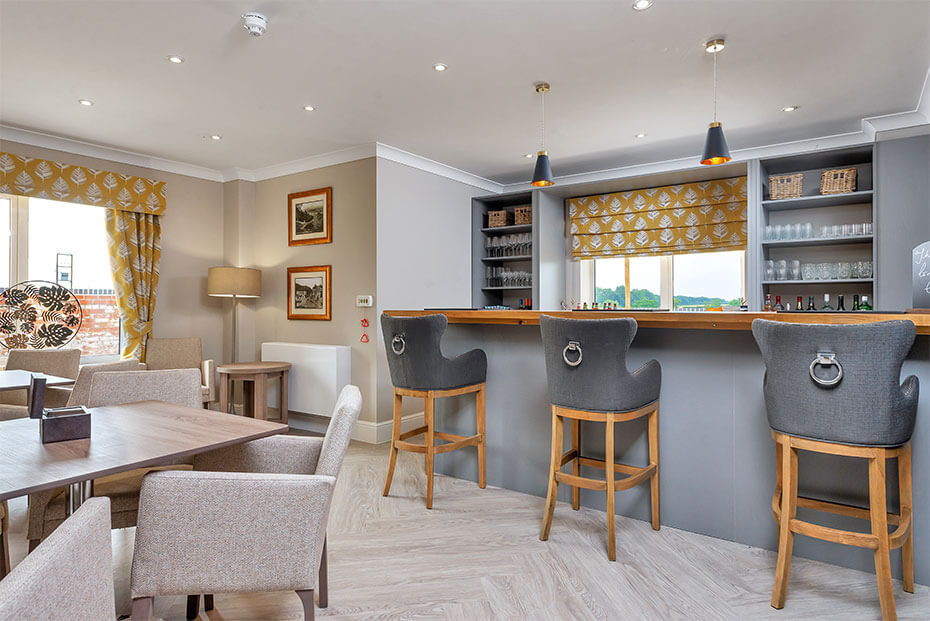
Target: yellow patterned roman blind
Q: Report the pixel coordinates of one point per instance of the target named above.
(28, 176)
(707, 216)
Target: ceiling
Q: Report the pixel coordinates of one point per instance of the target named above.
(367, 67)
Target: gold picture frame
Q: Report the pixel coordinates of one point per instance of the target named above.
(310, 217)
(309, 292)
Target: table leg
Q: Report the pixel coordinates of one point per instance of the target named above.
(76, 494)
(283, 400)
(224, 393)
(248, 389)
(261, 397)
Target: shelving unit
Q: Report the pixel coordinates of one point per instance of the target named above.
(819, 209)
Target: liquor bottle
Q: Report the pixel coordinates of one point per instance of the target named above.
(768, 303)
(800, 304)
(864, 305)
(856, 302)
(810, 303)
(778, 305)
(826, 303)
(840, 306)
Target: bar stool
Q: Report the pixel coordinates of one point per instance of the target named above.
(588, 380)
(418, 369)
(834, 389)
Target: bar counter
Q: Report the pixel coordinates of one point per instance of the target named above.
(717, 457)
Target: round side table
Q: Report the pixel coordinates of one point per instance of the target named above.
(254, 377)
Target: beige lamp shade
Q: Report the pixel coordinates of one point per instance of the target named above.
(242, 282)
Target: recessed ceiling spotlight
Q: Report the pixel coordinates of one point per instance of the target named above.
(714, 45)
(639, 135)
(309, 108)
(528, 156)
(215, 137)
(85, 102)
(641, 5)
(440, 67)
(177, 60)
(790, 108)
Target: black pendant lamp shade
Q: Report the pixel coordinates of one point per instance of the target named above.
(542, 176)
(715, 146)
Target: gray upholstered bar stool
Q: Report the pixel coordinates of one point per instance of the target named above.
(418, 369)
(835, 389)
(588, 380)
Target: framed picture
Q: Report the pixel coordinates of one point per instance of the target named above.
(309, 292)
(310, 217)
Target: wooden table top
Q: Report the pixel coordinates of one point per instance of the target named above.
(708, 320)
(259, 366)
(17, 380)
(123, 437)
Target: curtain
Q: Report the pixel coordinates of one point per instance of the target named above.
(708, 216)
(135, 249)
(29, 176)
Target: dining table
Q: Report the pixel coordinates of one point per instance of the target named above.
(123, 437)
(18, 379)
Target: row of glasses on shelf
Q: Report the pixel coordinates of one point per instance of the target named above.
(513, 245)
(502, 277)
(799, 231)
(792, 269)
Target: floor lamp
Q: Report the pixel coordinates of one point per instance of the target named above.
(235, 283)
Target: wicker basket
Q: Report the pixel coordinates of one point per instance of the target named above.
(523, 215)
(500, 218)
(785, 186)
(838, 181)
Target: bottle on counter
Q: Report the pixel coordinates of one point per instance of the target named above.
(778, 304)
(840, 306)
(768, 303)
(856, 302)
(800, 304)
(864, 304)
(810, 303)
(826, 302)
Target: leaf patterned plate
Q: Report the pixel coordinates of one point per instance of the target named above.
(37, 314)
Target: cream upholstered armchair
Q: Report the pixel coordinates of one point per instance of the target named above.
(206, 531)
(59, 362)
(183, 353)
(181, 386)
(70, 576)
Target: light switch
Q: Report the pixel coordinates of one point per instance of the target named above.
(363, 300)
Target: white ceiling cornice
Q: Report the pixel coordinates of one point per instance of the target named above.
(437, 168)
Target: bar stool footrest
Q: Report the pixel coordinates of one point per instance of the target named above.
(862, 540)
(636, 475)
(453, 441)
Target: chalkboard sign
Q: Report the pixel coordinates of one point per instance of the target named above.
(922, 275)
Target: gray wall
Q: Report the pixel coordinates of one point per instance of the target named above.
(902, 186)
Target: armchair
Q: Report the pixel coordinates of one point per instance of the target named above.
(182, 353)
(60, 362)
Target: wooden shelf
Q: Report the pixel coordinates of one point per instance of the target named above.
(513, 228)
(818, 281)
(524, 257)
(820, 200)
(817, 241)
(505, 288)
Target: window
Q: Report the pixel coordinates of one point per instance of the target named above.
(693, 281)
(64, 243)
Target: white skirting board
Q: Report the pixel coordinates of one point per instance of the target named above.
(317, 376)
(364, 431)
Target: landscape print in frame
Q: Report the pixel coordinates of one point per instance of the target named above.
(309, 292)
(310, 217)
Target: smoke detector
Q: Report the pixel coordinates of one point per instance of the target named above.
(255, 23)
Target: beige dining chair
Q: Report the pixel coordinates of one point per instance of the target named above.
(182, 353)
(58, 362)
(181, 386)
(69, 576)
(207, 531)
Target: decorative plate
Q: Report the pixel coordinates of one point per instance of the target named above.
(37, 314)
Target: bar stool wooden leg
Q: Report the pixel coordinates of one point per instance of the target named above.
(395, 436)
(653, 433)
(480, 400)
(906, 494)
(609, 468)
(576, 463)
(878, 510)
(554, 466)
(789, 504)
(428, 415)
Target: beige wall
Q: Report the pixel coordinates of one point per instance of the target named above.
(351, 255)
(192, 241)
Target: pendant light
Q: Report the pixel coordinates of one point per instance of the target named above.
(542, 175)
(715, 145)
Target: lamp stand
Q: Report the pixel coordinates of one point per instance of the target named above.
(235, 323)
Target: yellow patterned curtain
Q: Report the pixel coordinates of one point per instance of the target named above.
(135, 249)
(708, 216)
(29, 176)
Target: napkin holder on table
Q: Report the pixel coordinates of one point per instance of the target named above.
(62, 424)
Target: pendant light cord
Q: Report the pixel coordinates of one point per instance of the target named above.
(715, 86)
(542, 124)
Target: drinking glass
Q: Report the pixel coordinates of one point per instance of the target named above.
(823, 271)
(867, 228)
(769, 232)
(794, 270)
(769, 270)
(781, 269)
(865, 269)
(809, 271)
(847, 230)
(796, 231)
(825, 231)
(844, 270)
(808, 230)
(837, 230)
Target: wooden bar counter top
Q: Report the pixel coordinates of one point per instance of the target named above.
(708, 320)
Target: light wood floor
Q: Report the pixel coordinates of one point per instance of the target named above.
(477, 555)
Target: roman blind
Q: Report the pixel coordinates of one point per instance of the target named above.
(707, 216)
(28, 176)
